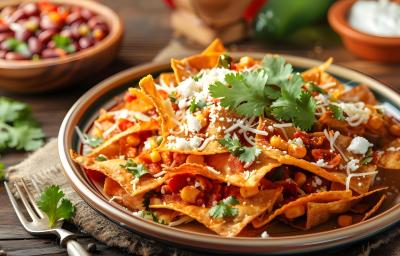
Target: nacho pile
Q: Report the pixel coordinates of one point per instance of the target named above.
(236, 144)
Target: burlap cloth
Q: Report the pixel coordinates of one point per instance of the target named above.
(45, 168)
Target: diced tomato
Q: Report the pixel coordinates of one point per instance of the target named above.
(216, 194)
(163, 94)
(46, 7)
(154, 168)
(170, 3)
(124, 124)
(303, 136)
(128, 97)
(177, 182)
(321, 154)
(235, 164)
(95, 175)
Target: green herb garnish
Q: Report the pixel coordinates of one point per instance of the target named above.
(368, 157)
(92, 141)
(312, 87)
(138, 170)
(337, 112)
(2, 174)
(54, 205)
(224, 208)
(18, 129)
(196, 105)
(101, 158)
(245, 154)
(65, 43)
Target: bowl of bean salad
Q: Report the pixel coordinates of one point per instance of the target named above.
(50, 44)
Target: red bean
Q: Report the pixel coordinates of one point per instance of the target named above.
(4, 36)
(23, 34)
(46, 23)
(5, 46)
(93, 22)
(35, 46)
(7, 11)
(4, 28)
(30, 9)
(46, 35)
(15, 56)
(86, 14)
(85, 42)
(51, 45)
(17, 15)
(3, 54)
(73, 17)
(66, 33)
(49, 53)
(75, 30)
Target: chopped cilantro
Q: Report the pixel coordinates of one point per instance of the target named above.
(2, 174)
(368, 157)
(18, 129)
(245, 154)
(101, 158)
(194, 106)
(92, 141)
(159, 140)
(64, 43)
(138, 170)
(224, 208)
(198, 76)
(172, 98)
(54, 205)
(148, 215)
(337, 112)
(224, 61)
(276, 69)
(312, 87)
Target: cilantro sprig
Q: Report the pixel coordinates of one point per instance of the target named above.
(233, 145)
(224, 209)
(18, 129)
(54, 205)
(274, 90)
(92, 141)
(337, 112)
(64, 43)
(196, 105)
(137, 170)
(368, 157)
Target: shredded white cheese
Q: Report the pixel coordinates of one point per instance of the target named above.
(211, 169)
(357, 113)
(323, 164)
(159, 174)
(182, 220)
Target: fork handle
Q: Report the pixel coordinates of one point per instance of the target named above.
(76, 249)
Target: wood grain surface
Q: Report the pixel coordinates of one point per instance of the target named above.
(147, 32)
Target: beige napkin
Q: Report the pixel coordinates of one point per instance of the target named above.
(44, 167)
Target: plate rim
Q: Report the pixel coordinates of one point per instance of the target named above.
(276, 245)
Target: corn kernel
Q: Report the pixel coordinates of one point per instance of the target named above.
(246, 62)
(202, 119)
(277, 142)
(375, 122)
(189, 194)
(153, 142)
(248, 191)
(195, 159)
(133, 140)
(344, 220)
(297, 151)
(300, 178)
(155, 156)
(295, 211)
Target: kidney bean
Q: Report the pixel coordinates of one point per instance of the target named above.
(35, 46)
(51, 45)
(4, 28)
(86, 14)
(66, 33)
(93, 22)
(17, 15)
(46, 23)
(46, 35)
(85, 42)
(49, 53)
(3, 54)
(73, 17)
(30, 9)
(75, 30)
(15, 56)
(7, 11)
(23, 34)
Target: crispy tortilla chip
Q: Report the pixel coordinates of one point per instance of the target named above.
(142, 103)
(374, 209)
(249, 209)
(327, 196)
(391, 159)
(116, 145)
(119, 195)
(224, 174)
(112, 168)
(216, 46)
(163, 107)
(168, 79)
(318, 213)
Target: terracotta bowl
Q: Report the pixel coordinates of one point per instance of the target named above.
(50, 74)
(283, 240)
(377, 48)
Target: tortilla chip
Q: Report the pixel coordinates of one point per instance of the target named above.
(142, 103)
(327, 196)
(224, 174)
(318, 213)
(168, 79)
(374, 209)
(112, 169)
(119, 195)
(216, 46)
(115, 146)
(249, 209)
(391, 159)
(163, 107)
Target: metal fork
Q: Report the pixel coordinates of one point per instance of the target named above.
(39, 224)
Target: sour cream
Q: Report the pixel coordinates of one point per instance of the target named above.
(380, 18)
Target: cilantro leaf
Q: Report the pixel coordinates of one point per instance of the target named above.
(224, 208)
(248, 94)
(337, 112)
(54, 205)
(194, 106)
(276, 69)
(92, 141)
(368, 157)
(137, 170)
(294, 104)
(64, 43)
(312, 87)
(101, 158)
(18, 129)
(233, 145)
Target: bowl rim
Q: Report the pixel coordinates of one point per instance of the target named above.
(337, 18)
(113, 20)
(276, 245)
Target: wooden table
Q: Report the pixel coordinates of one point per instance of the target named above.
(147, 32)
